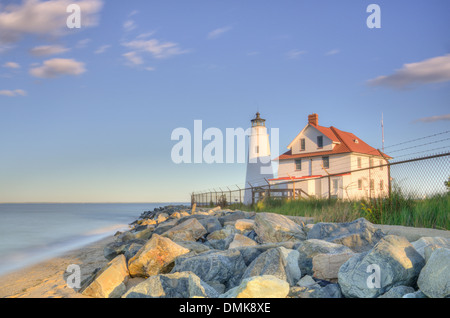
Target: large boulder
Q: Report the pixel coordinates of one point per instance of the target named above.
(435, 242)
(326, 266)
(434, 279)
(392, 262)
(360, 235)
(176, 285)
(250, 253)
(111, 250)
(234, 216)
(155, 256)
(189, 230)
(240, 240)
(312, 247)
(244, 225)
(110, 281)
(279, 262)
(398, 292)
(273, 228)
(211, 224)
(224, 267)
(316, 291)
(265, 286)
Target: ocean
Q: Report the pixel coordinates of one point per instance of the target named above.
(31, 233)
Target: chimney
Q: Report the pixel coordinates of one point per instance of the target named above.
(313, 119)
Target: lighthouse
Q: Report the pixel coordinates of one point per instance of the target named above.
(259, 164)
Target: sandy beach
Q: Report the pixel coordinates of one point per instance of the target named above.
(47, 279)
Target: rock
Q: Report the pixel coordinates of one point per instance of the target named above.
(244, 225)
(194, 247)
(326, 266)
(273, 228)
(161, 217)
(189, 230)
(211, 224)
(234, 216)
(220, 234)
(424, 242)
(250, 253)
(224, 267)
(155, 256)
(417, 294)
(398, 292)
(307, 281)
(240, 241)
(316, 291)
(111, 250)
(265, 286)
(360, 235)
(398, 262)
(434, 279)
(176, 285)
(279, 262)
(110, 281)
(309, 248)
(179, 215)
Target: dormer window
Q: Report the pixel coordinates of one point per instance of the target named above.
(356, 141)
(320, 141)
(302, 144)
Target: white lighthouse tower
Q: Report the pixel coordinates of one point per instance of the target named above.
(259, 164)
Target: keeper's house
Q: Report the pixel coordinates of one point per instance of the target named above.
(326, 162)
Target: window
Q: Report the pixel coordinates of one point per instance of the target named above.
(326, 162)
(381, 185)
(298, 164)
(302, 144)
(257, 149)
(359, 184)
(372, 184)
(381, 166)
(320, 141)
(370, 162)
(359, 162)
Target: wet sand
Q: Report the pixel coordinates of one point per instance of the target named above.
(47, 279)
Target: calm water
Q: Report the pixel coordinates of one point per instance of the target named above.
(30, 233)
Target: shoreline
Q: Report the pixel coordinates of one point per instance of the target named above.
(46, 279)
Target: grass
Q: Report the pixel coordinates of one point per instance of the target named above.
(432, 212)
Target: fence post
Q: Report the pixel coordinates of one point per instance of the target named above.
(388, 171)
(230, 195)
(268, 192)
(253, 194)
(329, 187)
(240, 195)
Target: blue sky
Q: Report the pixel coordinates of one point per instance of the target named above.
(86, 114)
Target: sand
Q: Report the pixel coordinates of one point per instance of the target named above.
(47, 279)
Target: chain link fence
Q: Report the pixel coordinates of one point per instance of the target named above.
(417, 178)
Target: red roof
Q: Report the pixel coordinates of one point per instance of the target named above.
(346, 143)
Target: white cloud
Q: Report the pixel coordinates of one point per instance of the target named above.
(433, 70)
(433, 119)
(333, 52)
(58, 67)
(39, 17)
(149, 68)
(11, 65)
(129, 25)
(159, 50)
(44, 50)
(133, 58)
(293, 54)
(102, 49)
(13, 93)
(218, 32)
